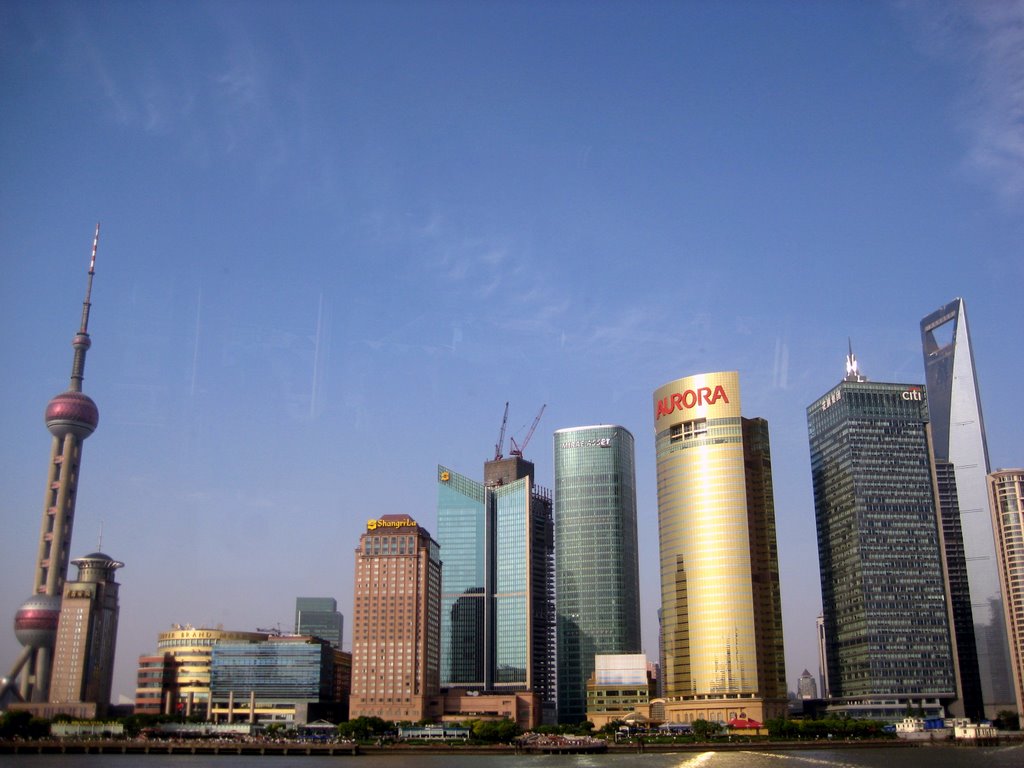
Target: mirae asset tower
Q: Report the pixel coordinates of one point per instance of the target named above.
(720, 600)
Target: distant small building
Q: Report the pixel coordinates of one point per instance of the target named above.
(524, 708)
(436, 732)
(90, 729)
(807, 686)
(319, 617)
(621, 688)
(975, 732)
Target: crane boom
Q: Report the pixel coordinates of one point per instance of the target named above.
(517, 450)
(501, 434)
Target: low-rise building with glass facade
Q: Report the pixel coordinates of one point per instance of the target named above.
(288, 680)
(181, 669)
(887, 614)
(619, 688)
(597, 592)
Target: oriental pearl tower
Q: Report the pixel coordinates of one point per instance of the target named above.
(71, 417)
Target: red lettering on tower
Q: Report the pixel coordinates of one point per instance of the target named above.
(691, 398)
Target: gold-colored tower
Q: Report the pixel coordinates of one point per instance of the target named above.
(722, 650)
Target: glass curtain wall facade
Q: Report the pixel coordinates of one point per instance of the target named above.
(282, 671)
(462, 535)
(497, 619)
(971, 697)
(597, 570)
(511, 593)
(319, 617)
(958, 433)
(886, 615)
(185, 653)
(721, 609)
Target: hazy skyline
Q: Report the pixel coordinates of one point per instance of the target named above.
(337, 237)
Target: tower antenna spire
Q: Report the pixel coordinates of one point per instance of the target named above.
(87, 304)
(81, 342)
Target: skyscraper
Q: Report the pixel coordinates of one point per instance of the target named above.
(396, 627)
(597, 593)
(83, 666)
(888, 641)
(497, 604)
(971, 697)
(71, 417)
(319, 617)
(720, 602)
(1006, 496)
(958, 434)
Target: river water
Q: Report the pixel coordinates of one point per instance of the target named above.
(922, 757)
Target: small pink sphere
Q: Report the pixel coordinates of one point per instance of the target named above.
(35, 623)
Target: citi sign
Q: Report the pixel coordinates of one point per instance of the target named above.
(691, 398)
(911, 394)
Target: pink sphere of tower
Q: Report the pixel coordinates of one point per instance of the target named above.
(72, 412)
(35, 623)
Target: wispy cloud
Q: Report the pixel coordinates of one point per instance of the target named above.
(986, 39)
(999, 123)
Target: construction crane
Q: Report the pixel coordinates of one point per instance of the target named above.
(501, 434)
(517, 450)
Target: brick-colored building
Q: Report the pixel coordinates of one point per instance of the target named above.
(397, 623)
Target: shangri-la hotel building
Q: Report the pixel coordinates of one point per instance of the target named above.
(396, 626)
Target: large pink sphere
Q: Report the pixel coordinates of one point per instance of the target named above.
(35, 623)
(72, 412)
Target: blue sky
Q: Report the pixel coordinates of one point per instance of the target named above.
(337, 237)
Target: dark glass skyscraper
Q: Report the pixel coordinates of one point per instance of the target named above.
(497, 585)
(319, 617)
(597, 595)
(958, 433)
(883, 581)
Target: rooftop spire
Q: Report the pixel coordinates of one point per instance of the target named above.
(81, 342)
(852, 372)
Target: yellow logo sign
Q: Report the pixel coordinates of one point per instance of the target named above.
(445, 476)
(372, 525)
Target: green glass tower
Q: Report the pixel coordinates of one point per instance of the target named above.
(883, 575)
(597, 584)
(497, 596)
